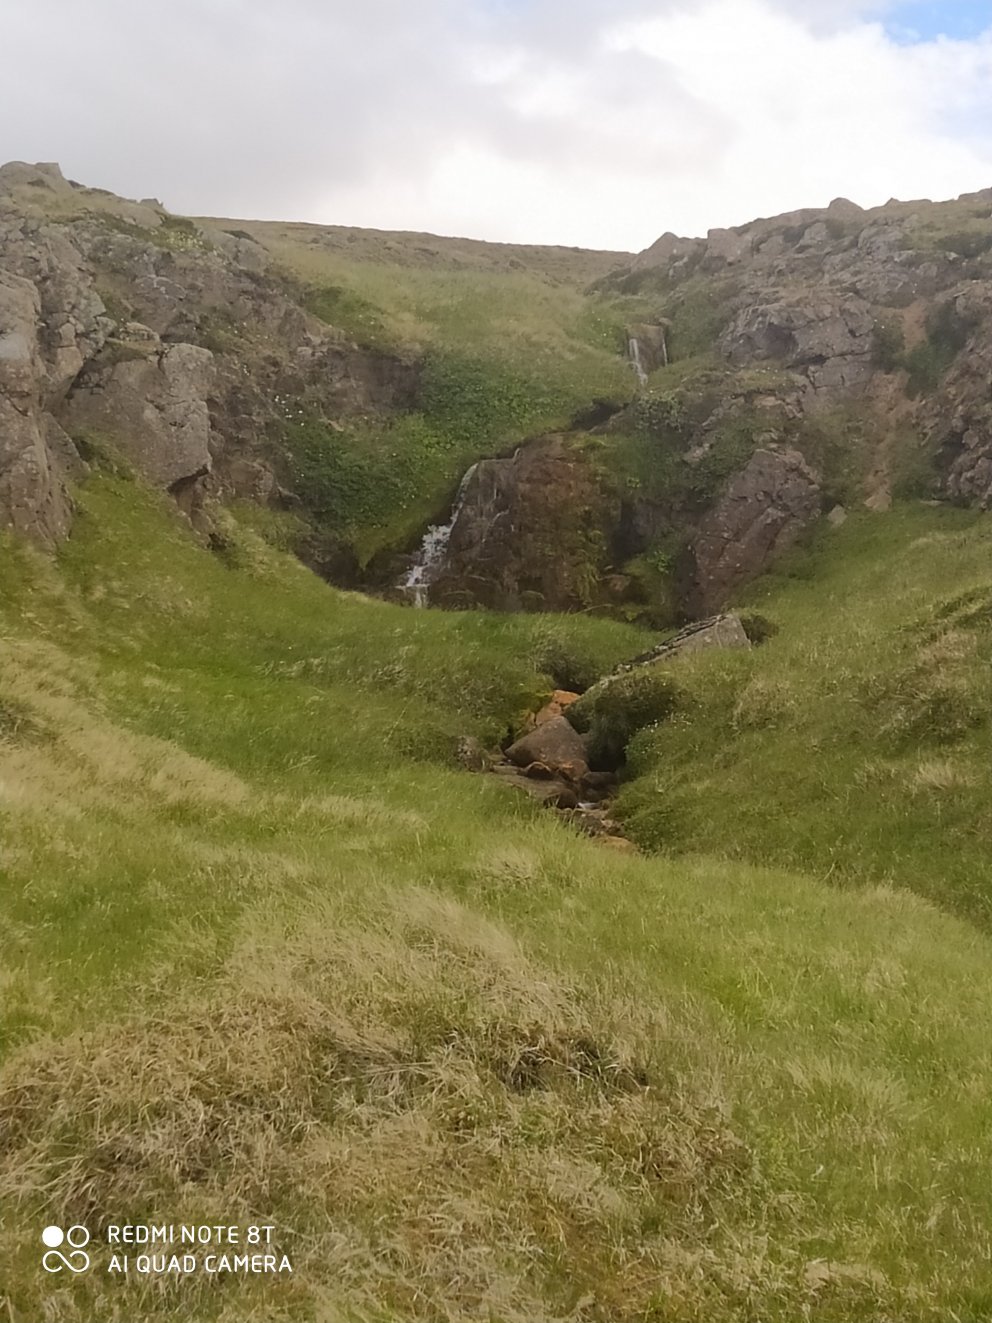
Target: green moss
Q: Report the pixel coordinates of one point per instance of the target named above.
(948, 331)
(612, 713)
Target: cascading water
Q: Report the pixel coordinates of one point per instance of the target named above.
(634, 352)
(429, 560)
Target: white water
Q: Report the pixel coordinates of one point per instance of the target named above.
(634, 350)
(429, 560)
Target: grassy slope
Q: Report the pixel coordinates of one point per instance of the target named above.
(855, 745)
(266, 959)
(512, 345)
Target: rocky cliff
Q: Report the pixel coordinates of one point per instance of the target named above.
(179, 347)
(820, 359)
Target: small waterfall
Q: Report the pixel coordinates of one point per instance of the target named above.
(429, 560)
(634, 353)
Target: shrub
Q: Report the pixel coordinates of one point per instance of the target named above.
(888, 345)
(758, 628)
(565, 661)
(948, 330)
(615, 711)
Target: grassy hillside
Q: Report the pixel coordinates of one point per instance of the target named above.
(506, 340)
(269, 957)
(855, 744)
(512, 346)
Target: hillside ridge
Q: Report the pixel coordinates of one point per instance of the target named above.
(332, 387)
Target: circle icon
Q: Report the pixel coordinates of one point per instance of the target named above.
(52, 1237)
(77, 1237)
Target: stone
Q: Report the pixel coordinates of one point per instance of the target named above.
(33, 495)
(844, 209)
(828, 338)
(760, 515)
(620, 844)
(559, 703)
(664, 251)
(652, 342)
(510, 513)
(837, 517)
(470, 754)
(555, 793)
(727, 246)
(155, 409)
(555, 744)
(723, 631)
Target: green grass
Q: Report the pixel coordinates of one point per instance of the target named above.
(511, 348)
(852, 746)
(269, 957)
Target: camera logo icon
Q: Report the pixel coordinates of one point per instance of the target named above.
(75, 1259)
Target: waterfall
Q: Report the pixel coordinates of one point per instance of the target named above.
(429, 560)
(634, 350)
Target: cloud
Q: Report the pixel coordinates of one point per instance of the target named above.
(574, 121)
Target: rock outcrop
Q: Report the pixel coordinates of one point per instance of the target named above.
(761, 514)
(33, 496)
(155, 407)
(177, 346)
(187, 349)
(826, 339)
(529, 532)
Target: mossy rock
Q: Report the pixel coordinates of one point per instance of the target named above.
(613, 712)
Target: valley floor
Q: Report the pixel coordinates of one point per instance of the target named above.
(269, 958)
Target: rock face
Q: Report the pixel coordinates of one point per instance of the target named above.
(828, 340)
(156, 408)
(652, 343)
(528, 533)
(33, 497)
(144, 377)
(761, 514)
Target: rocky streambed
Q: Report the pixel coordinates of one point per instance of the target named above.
(562, 766)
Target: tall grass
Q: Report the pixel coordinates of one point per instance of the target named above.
(852, 744)
(269, 957)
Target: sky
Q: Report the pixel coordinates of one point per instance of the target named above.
(600, 123)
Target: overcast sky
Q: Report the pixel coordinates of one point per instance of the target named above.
(593, 122)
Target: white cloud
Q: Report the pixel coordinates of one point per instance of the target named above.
(572, 121)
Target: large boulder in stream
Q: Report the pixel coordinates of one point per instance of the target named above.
(555, 745)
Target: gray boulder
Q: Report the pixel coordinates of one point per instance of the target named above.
(828, 339)
(759, 516)
(33, 496)
(154, 408)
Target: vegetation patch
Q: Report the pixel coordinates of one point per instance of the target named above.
(470, 1064)
(614, 711)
